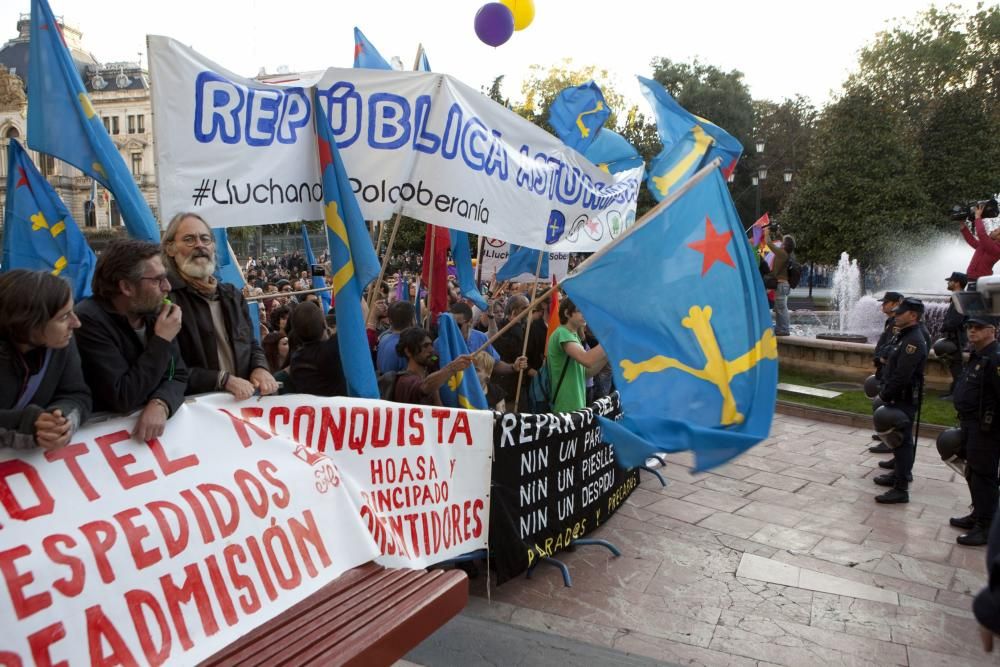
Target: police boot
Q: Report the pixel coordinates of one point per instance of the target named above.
(885, 480)
(888, 464)
(880, 448)
(893, 496)
(966, 522)
(976, 537)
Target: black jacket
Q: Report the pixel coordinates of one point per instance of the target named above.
(316, 369)
(904, 371)
(123, 373)
(986, 604)
(976, 395)
(197, 336)
(882, 346)
(62, 387)
(953, 327)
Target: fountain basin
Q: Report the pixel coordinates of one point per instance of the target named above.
(845, 360)
(843, 337)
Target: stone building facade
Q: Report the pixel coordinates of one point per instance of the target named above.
(120, 94)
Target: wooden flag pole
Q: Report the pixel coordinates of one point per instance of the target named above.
(385, 262)
(527, 330)
(430, 277)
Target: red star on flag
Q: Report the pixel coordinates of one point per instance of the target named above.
(23, 179)
(325, 155)
(713, 247)
(358, 49)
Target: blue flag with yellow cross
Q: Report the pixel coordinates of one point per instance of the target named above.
(462, 390)
(353, 261)
(578, 114)
(689, 142)
(693, 352)
(62, 123)
(39, 234)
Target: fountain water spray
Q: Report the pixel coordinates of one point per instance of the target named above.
(846, 288)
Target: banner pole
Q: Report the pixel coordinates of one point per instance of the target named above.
(385, 261)
(430, 277)
(527, 330)
(650, 214)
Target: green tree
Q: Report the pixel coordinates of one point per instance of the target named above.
(860, 191)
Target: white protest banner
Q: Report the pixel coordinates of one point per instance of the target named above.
(114, 551)
(422, 473)
(243, 152)
(495, 253)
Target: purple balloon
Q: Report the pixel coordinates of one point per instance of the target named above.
(494, 23)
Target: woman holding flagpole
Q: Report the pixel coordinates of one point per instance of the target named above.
(43, 396)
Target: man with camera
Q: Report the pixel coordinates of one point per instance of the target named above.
(782, 252)
(986, 246)
(901, 393)
(977, 398)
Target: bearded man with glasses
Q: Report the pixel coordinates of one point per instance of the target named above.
(217, 338)
(128, 337)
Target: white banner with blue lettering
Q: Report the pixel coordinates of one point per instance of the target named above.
(241, 152)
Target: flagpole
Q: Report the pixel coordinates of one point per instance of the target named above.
(430, 277)
(527, 330)
(650, 214)
(385, 261)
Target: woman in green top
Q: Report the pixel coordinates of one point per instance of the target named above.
(566, 347)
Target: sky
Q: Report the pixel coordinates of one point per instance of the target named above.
(783, 47)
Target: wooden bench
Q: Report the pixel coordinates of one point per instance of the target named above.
(370, 615)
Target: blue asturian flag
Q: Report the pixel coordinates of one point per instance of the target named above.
(352, 260)
(227, 270)
(423, 65)
(62, 122)
(463, 265)
(462, 389)
(523, 260)
(689, 142)
(39, 234)
(578, 114)
(317, 281)
(612, 152)
(693, 352)
(367, 56)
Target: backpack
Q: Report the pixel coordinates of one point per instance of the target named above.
(387, 384)
(540, 395)
(794, 273)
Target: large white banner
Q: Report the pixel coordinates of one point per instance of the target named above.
(242, 152)
(167, 551)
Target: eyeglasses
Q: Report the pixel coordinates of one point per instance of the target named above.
(191, 240)
(157, 279)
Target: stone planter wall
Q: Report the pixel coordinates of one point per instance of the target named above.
(844, 361)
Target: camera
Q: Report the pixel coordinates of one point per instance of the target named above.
(963, 212)
(318, 270)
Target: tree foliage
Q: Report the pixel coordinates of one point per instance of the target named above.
(861, 189)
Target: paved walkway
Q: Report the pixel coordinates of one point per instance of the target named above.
(781, 557)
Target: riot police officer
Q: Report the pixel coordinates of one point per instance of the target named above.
(977, 399)
(889, 302)
(901, 392)
(952, 328)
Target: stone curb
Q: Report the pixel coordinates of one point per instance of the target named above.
(846, 418)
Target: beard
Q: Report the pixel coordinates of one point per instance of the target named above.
(199, 265)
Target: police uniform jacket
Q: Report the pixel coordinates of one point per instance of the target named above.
(953, 327)
(904, 370)
(882, 345)
(977, 392)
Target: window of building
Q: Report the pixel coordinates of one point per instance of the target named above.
(131, 124)
(48, 164)
(137, 164)
(107, 124)
(114, 125)
(141, 122)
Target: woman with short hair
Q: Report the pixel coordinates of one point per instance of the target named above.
(43, 395)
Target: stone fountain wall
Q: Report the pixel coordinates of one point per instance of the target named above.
(844, 361)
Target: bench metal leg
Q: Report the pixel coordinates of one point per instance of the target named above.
(598, 542)
(567, 580)
(658, 475)
(663, 461)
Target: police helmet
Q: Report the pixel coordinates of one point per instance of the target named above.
(890, 424)
(877, 403)
(949, 444)
(871, 386)
(944, 347)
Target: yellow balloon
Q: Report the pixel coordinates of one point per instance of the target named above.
(523, 11)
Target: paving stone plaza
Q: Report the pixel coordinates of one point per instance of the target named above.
(781, 557)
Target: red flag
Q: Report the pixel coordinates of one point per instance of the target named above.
(758, 234)
(437, 300)
(553, 313)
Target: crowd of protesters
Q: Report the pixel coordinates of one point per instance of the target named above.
(160, 326)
